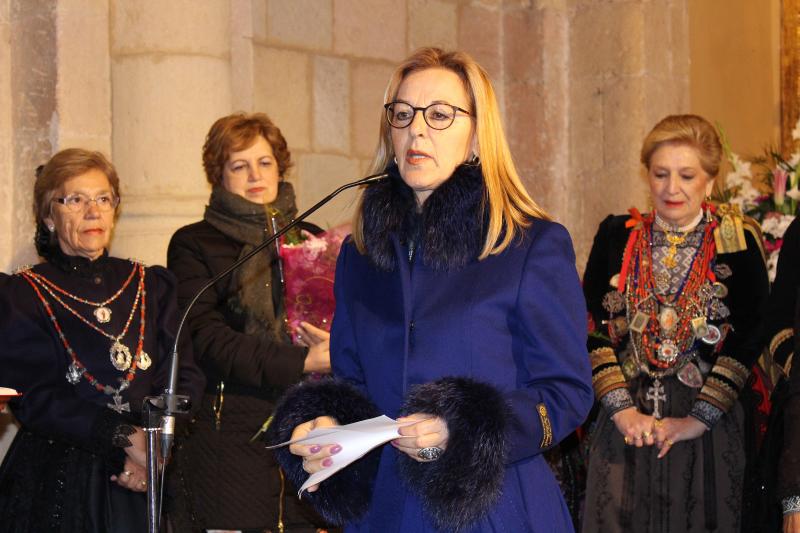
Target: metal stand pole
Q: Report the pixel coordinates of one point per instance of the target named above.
(153, 479)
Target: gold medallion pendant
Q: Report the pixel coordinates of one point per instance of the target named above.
(120, 356)
(667, 352)
(102, 314)
(144, 361)
(667, 319)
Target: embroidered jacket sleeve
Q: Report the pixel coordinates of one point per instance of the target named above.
(253, 360)
(608, 381)
(34, 363)
(555, 393)
(747, 288)
(777, 326)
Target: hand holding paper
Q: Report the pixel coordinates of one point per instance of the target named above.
(355, 440)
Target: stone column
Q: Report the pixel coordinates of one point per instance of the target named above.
(27, 117)
(584, 81)
(170, 80)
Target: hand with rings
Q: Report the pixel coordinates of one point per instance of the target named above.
(133, 477)
(669, 431)
(424, 440)
(636, 428)
(315, 457)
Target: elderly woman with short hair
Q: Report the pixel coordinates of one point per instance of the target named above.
(86, 337)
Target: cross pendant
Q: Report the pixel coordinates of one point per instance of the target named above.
(118, 406)
(656, 393)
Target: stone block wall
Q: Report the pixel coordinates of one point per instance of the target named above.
(579, 83)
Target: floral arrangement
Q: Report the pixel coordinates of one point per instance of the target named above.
(309, 265)
(769, 193)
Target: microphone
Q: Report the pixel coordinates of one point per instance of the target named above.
(171, 400)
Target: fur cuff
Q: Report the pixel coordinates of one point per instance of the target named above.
(345, 496)
(460, 487)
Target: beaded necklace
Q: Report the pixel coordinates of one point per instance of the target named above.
(77, 368)
(664, 327)
(101, 313)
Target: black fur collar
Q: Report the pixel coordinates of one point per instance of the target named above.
(449, 231)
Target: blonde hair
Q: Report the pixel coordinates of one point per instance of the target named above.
(510, 207)
(689, 130)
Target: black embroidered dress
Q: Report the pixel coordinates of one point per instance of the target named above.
(55, 476)
(680, 344)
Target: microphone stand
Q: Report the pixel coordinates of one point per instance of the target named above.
(160, 411)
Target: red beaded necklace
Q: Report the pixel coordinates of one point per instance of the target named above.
(642, 297)
(101, 312)
(77, 368)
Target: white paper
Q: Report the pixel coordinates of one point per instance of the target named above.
(356, 440)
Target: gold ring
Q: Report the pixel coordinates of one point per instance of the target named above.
(143, 483)
(668, 442)
(627, 441)
(645, 434)
(658, 423)
(127, 473)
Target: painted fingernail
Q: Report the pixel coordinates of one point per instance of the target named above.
(315, 448)
(335, 449)
(327, 462)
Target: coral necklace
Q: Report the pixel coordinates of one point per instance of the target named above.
(101, 313)
(119, 356)
(642, 296)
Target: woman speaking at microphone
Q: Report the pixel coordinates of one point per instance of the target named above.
(459, 310)
(227, 481)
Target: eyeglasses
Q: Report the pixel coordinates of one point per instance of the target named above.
(437, 116)
(77, 202)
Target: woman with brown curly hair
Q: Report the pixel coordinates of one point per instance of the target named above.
(227, 481)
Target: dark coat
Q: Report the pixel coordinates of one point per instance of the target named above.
(495, 347)
(785, 297)
(55, 476)
(777, 334)
(229, 481)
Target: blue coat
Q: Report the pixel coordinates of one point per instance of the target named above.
(496, 347)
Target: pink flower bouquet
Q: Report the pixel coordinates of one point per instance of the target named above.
(309, 268)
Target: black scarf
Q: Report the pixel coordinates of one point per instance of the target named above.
(250, 224)
(449, 231)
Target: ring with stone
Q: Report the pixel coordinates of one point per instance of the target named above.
(431, 453)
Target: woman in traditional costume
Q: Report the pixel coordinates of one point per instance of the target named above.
(85, 338)
(676, 296)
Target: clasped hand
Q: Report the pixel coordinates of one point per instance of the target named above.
(134, 473)
(424, 431)
(641, 430)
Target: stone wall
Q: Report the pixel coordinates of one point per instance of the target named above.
(579, 81)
